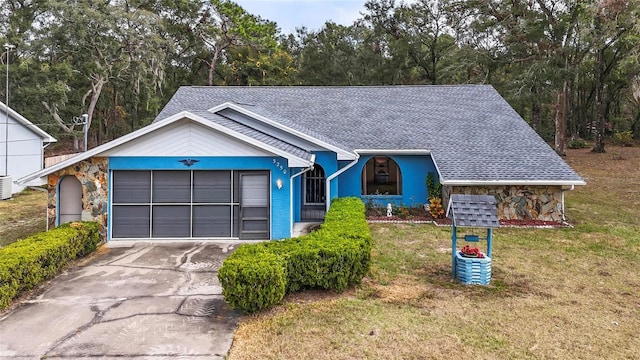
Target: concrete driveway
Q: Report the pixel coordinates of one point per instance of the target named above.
(136, 301)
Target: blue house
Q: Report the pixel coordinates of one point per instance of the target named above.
(249, 162)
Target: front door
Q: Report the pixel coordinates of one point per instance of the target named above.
(314, 192)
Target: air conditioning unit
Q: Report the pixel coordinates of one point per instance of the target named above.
(5, 187)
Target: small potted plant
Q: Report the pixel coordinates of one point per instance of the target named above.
(471, 252)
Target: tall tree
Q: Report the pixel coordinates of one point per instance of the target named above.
(538, 38)
(104, 42)
(246, 66)
(613, 38)
(423, 27)
(49, 89)
(224, 24)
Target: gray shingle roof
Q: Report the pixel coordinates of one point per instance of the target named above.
(473, 133)
(473, 211)
(255, 134)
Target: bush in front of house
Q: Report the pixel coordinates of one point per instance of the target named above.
(26, 263)
(252, 283)
(332, 258)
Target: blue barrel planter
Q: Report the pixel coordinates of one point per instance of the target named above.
(471, 270)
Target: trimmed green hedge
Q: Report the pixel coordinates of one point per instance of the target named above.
(257, 276)
(258, 281)
(27, 262)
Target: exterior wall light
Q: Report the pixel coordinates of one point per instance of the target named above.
(279, 183)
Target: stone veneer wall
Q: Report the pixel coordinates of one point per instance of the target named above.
(518, 201)
(92, 174)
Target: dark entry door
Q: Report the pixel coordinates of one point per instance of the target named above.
(314, 192)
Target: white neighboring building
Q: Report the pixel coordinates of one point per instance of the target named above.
(22, 151)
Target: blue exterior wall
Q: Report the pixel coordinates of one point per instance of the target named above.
(414, 170)
(329, 162)
(277, 166)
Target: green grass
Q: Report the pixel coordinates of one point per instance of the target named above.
(22, 216)
(554, 294)
(568, 293)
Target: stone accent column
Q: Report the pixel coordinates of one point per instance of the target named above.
(93, 175)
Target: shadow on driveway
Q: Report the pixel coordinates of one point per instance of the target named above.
(139, 300)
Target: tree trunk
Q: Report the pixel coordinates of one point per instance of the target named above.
(635, 127)
(212, 65)
(560, 121)
(53, 111)
(572, 116)
(536, 121)
(599, 144)
(96, 90)
(434, 60)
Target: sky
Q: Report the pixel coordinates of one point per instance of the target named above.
(290, 14)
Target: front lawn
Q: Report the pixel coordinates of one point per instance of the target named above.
(22, 215)
(555, 293)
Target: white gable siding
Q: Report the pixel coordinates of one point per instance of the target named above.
(185, 138)
(25, 155)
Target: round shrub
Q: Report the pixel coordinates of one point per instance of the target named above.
(253, 283)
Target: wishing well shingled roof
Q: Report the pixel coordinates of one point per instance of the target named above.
(473, 211)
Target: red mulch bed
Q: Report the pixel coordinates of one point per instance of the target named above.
(419, 215)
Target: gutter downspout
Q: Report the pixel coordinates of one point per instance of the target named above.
(334, 175)
(291, 194)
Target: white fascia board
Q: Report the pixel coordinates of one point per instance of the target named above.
(28, 124)
(294, 161)
(392, 151)
(342, 154)
(512, 182)
(435, 163)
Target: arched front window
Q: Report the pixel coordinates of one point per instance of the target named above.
(381, 176)
(69, 200)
